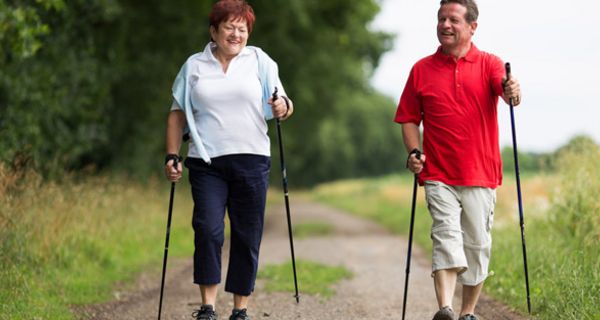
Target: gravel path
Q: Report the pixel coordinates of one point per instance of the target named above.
(375, 257)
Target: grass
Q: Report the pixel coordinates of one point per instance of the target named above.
(68, 244)
(311, 229)
(316, 279)
(562, 231)
(562, 244)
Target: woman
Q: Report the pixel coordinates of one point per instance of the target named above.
(222, 98)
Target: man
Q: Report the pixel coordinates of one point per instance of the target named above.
(454, 93)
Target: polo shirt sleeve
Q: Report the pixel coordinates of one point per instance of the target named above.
(180, 88)
(496, 73)
(409, 107)
(175, 106)
(181, 91)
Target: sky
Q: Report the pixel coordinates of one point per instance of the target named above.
(553, 47)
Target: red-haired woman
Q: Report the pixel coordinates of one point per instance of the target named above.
(222, 99)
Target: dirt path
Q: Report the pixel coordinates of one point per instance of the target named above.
(375, 257)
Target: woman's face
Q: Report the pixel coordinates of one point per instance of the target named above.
(231, 37)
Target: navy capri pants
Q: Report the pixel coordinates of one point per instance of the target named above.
(236, 184)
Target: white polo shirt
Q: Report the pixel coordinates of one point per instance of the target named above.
(227, 106)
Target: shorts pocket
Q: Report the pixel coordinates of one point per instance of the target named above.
(490, 217)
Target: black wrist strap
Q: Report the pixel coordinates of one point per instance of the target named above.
(172, 156)
(414, 151)
(287, 104)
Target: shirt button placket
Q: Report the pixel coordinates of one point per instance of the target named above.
(457, 80)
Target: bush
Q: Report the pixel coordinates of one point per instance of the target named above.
(576, 205)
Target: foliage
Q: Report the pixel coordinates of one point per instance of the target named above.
(529, 162)
(535, 162)
(576, 206)
(316, 278)
(341, 127)
(86, 84)
(55, 84)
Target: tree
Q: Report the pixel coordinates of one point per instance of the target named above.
(86, 84)
(326, 54)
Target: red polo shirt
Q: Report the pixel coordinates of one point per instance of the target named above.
(456, 100)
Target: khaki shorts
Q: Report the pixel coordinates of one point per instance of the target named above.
(461, 230)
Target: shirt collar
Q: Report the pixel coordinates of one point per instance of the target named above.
(207, 54)
(471, 56)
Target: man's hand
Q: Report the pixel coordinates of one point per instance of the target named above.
(512, 89)
(416, 165)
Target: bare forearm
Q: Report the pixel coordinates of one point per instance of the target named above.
(175, 125)
(411, 136)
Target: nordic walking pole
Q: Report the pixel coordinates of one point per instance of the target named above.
(410, 234)
(164, 268)
(287, 200)
(521, 220)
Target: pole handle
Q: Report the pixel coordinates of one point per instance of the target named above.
(507, 68)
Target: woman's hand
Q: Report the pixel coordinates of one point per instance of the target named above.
(281, 109)
(173, 173)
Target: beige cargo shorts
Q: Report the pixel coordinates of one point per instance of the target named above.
(461, 229)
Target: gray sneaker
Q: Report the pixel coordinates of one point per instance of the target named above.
(206, 312)
(468, 317)
(444, 313)
(239, 314)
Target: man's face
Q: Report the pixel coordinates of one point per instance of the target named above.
(453, 30)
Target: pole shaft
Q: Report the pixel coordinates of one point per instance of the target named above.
(519, 195)
(287, 203)
(166, 253)
(410, 238)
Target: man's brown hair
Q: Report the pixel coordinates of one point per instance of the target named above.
(472, 11)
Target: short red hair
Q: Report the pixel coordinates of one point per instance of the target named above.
(224, 10)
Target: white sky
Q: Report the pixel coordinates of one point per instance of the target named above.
(553, 47)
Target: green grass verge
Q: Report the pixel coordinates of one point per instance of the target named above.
(564, 277)
(311, 229)
(313, 278)
(69, 244)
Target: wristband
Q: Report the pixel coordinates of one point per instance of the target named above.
(172, 156)
(287, 104)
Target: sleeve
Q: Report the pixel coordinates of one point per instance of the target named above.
(179, 91)
(271, 80)
(180, 87)
(175, 106)
(409, 107)
(269, 77)
(496, 74)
